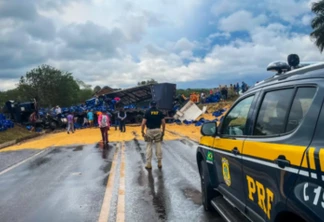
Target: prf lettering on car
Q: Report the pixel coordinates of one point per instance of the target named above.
(264, 195)
(155, 113)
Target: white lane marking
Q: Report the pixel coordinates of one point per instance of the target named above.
(323, 177)
(22, 162)
(262, 162)
(105, 208)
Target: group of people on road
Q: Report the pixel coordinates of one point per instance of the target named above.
(103, 119)
(224, 91)
(152, 122)
(103, 123)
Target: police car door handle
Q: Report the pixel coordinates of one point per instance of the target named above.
(235, 151)
(282, 162)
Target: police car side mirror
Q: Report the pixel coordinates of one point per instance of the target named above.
(209, 129)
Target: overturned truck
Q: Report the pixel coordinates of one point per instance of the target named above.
(136, 100)
(19, 112)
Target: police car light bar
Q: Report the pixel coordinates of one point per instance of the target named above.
(278, 67)
(281, 67)
(292, 67)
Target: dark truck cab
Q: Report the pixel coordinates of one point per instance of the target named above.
(19, 112)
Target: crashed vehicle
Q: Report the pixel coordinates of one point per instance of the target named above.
(136, 100)
(19, 112)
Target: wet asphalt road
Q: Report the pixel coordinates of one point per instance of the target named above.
(70, 183)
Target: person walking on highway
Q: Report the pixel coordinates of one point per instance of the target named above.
(116, 120)
(153, 119)
(104, 123)
(121, 117)
(90, 118)
(70, 120)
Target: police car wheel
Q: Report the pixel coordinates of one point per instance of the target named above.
(207, 192)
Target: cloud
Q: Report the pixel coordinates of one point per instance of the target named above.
(20, 10)
(41, 29)
(288, 10)
(219, 35)
(306, 19)
(184, 44)
(236, 61)
(119, 43)
(241, 21)
(223, 7)
(89, 39)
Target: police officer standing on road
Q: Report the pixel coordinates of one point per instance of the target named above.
(153, 119)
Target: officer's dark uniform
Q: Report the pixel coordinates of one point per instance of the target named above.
(153, 118)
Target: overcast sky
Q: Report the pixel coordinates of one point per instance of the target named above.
(194, 43)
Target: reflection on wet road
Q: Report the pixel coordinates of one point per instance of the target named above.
(91, 183)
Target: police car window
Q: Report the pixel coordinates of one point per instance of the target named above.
(301, 104)
(272, 114)
(234, 123)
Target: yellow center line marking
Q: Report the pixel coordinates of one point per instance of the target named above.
(121, 191)
(105, 208)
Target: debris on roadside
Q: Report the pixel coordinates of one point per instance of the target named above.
(192, 114)
(190, 111)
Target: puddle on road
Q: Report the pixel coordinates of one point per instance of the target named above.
(193, 195)
(141, 177)
(106, 168)
(138, 148)
(55, 150)
(104, 153)
(186, 142)
(105, 180)
(78, 148)
(158, 196)
(154, 187)
(38, 162)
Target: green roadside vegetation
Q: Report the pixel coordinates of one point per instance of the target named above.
(15, 133)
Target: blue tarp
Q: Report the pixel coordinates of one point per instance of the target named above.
(214, 98)
(219, 112)
(5, 123)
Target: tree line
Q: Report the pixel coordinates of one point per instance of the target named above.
(51, 87)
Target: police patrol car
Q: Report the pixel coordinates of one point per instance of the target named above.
(265, 161)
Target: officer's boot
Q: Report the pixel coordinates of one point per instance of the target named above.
(160, 164)
(148, 166)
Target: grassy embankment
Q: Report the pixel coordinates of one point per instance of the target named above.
(15, 133)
